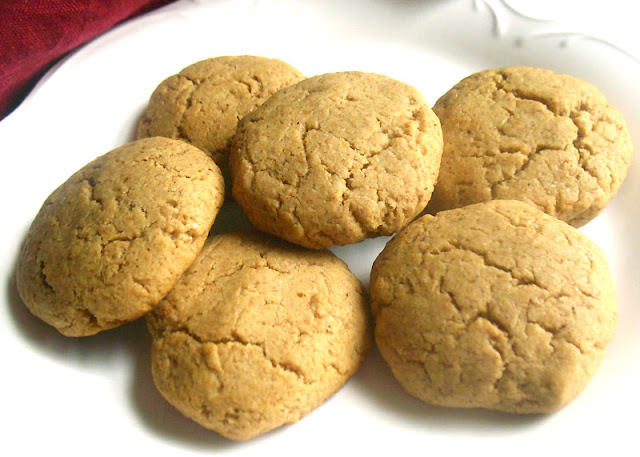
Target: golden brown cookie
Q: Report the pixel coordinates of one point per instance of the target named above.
(203, 103)
(257, 333)
(110, 242)
(336, 158)
(533, 135)
(494, 305)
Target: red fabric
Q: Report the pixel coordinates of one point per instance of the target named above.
(36, 33)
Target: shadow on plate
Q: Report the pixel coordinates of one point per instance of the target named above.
(376, 382)
(625, 222)
(132, 130)
(231, 218)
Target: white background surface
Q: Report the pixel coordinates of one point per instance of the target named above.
(95, 396)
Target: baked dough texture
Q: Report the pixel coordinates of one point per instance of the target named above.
(531, 134)
(257, 333)
(495, 305)
(203, 103)
(110, 242)
(336, 158)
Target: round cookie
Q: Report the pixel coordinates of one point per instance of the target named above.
(336, 158)
(203, 103)
(533, 135)
(495, 305)
(257, 333)
(110, 242)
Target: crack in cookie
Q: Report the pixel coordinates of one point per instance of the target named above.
(203, 103)
(494, 305)
(336, 158)
(260, 331)
(530, 134)
(115, 237)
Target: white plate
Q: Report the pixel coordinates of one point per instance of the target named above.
(95, 395)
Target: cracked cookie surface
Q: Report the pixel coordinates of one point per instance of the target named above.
(203, 103)
(257, 333)
(110, 242)
(534, 135)
(495, 305)
(336, 158)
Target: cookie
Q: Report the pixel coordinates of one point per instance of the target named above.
(494, 305)
(110, 242)
(257, 333)
(336, 158)
(203, 103)
(534, 135)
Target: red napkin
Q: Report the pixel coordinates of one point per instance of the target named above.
(36, 33)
